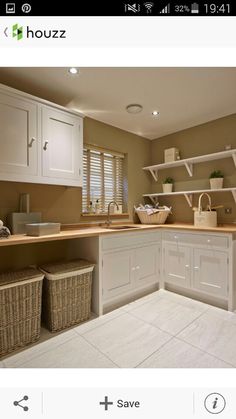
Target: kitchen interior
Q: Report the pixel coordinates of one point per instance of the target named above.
(118, 218)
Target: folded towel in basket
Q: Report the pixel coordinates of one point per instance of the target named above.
(4, 231)
(151, 211)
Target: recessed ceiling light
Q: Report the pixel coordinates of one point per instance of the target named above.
(73, 70)
(155, 113)
(134, 108)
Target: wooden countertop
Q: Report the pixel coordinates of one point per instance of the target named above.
(95, 231)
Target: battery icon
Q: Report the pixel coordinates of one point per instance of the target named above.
(195, 8)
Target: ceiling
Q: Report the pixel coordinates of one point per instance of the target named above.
(185, 97)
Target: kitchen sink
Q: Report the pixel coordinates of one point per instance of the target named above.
(121, 227)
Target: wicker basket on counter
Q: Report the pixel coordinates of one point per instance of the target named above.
(67, 293)
(156, 218)
(20, 309)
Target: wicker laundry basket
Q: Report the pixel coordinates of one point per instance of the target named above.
(67, 293)
(156, 218)
(20, 309)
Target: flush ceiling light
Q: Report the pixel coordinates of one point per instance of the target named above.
(155, 113)
(134, 108)
(73, 70)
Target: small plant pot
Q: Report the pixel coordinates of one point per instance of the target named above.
(216, 183)
(167, 187)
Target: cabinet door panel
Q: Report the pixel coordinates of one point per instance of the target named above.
(117, 273)
(210, 272)
(62, 147)
(177, 261)
(18, 122)
(147, 263)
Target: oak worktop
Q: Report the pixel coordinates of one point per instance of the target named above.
(79, 231)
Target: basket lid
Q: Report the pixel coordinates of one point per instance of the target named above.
(18, 276)
(63, 266)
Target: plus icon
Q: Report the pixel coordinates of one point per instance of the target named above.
(106, 403)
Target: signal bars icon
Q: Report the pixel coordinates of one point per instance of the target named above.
(166, 10)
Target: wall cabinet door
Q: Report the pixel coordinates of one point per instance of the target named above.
(18, 136)
(147, 265)
(210, 272)
(62, 145)
(177, 265)
(117, 273)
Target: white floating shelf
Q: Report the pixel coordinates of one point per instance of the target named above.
(189, 194)
(188, 163)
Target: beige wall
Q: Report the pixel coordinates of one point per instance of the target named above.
(203, 139)
(63, 204)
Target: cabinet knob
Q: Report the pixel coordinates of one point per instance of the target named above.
(186, 266)
(137, 267)
(208, 241)
(176, 237)
(45, 145)
(196, 267)
(31, 142)
(133, 269)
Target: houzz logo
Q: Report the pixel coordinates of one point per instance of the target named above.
(17, 32)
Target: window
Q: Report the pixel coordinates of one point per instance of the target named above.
(102, 177)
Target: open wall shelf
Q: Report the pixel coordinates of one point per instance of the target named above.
(188, 163)
(189, 194)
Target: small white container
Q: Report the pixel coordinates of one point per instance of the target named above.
(216, 183)
(171, 154)
(167, 187)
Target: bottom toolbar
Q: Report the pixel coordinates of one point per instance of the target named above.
(117, 403)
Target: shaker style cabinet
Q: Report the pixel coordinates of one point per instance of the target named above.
(125, 271)
(210, 272)
(177, 261)
(61, 144)
(197, 261)
(40, 142)
(18, 136)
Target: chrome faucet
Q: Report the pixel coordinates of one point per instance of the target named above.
(108, 221)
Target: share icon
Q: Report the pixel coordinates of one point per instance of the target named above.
(18, 403)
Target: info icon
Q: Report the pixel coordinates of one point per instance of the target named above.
(215, 403)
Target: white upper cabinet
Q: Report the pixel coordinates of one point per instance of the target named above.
(61, 145)
(18, 136)
(39, 142)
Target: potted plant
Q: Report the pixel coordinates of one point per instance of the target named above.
(216, 179)
(168, 185)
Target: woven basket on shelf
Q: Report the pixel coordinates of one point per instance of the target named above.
(67, 292)
(20, 309)
(157, 218)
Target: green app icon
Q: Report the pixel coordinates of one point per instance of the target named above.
(17, 32)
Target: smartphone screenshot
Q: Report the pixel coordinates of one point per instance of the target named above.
(118, 210)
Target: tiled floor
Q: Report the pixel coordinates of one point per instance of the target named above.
(161, 330)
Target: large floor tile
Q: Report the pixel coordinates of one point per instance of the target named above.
(17, 360)
(143, 300)
(127, 340)
(98, 321)
(75, 353)
(185, 301)
(178, 354)
(166, 314)
(213, 335)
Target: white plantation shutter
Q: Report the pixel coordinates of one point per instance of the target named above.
(103, 177)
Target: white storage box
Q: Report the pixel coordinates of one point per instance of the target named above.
(205, 218)
(171, 154)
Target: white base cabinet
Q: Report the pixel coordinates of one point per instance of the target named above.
(198, 262)
(40, 142)
(210, 272)
(134, 268)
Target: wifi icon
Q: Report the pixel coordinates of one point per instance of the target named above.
(149, 6)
